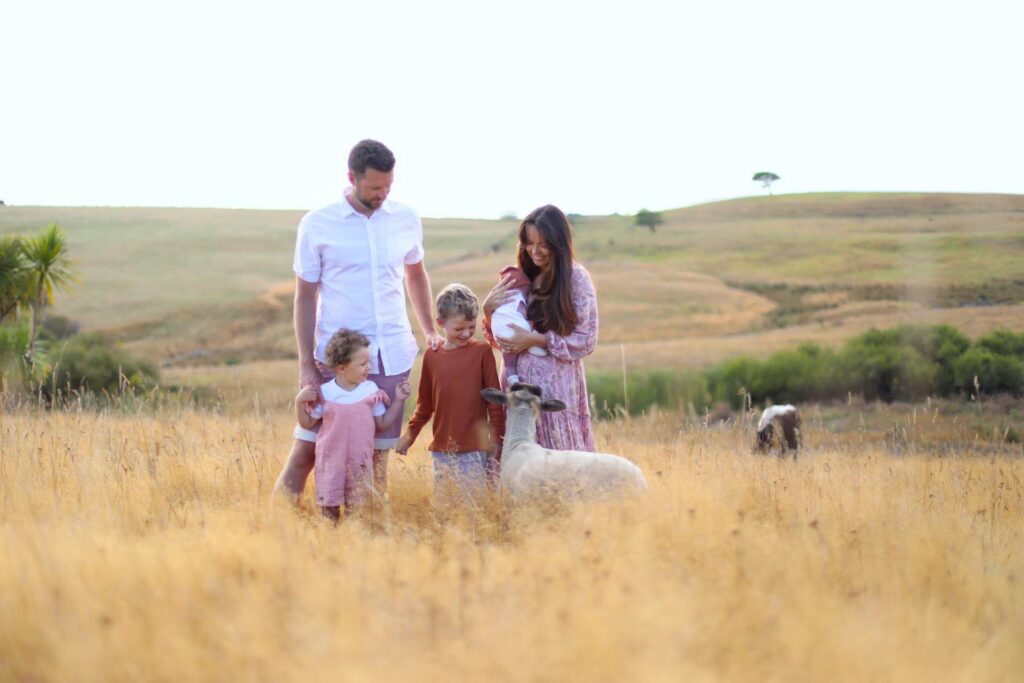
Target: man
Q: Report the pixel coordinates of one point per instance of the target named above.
(352, 259)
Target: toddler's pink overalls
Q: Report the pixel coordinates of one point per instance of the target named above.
(344, 452)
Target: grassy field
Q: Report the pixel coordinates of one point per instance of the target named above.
(142, 547)
(139, 543)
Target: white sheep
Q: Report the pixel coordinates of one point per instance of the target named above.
(788, 419)
(529, 469)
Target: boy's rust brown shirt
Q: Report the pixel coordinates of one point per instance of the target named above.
(449, 390)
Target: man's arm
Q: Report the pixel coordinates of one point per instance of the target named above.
(417, 283)
(305, 331)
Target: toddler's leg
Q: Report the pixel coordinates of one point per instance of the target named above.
(510, 361)
(331, 512)
(380, 472)
(358, 484)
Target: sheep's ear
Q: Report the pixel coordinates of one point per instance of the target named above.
(552, 405)
(494, 396)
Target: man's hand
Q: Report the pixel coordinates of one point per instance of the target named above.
(310, 376)
(308, 394)
(402, 447)
(434, 341)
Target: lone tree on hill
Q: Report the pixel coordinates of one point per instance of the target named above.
(766, 178)
(651, 219)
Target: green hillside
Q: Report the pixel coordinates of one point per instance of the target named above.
(204, 286)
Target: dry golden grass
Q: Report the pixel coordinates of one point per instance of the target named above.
(143, 548)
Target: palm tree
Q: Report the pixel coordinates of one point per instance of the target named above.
(49, 270)
(13, 277)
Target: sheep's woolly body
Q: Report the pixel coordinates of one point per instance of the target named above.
(785, 418)
(527, 468)
(770, 414)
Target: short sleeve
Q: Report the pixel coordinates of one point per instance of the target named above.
(307, 260)
(415, 253)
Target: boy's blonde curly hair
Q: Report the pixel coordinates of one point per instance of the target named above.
(343, 345)
(457, 299)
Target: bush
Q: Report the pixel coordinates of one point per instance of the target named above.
(727, 378)
(1003, 343)
(995, 373)
(15, 370)
(879, 366)
(56, 327)
(809, 372)
(92, 362)
(670, 389)
(941, 345)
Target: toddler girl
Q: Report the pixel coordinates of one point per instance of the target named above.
(513, 313)
(351, 412)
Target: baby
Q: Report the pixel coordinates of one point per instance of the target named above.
(514, 313)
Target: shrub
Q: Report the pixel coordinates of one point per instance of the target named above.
(1003, 343)
(92, 362)
(995, 373)
(670, 389)
(808, 372)
(941, 345)
(727, 378)
(56, 327)
(879, 366)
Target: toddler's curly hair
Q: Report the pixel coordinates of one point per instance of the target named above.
(457, 299)
(343, 345)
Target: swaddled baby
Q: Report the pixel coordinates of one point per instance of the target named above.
(514, 313)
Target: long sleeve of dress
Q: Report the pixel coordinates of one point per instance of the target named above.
(582, 341)
(424, 400)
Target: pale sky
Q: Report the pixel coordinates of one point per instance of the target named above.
(500, 107)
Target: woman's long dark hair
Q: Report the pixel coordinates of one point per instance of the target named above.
(551, 306)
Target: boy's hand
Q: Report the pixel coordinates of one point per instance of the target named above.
(403, 391)
(402, 447)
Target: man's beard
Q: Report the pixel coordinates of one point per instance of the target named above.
(368, 204)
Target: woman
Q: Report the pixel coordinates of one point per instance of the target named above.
(563, 310)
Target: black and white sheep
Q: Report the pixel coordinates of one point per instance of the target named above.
(787, 419)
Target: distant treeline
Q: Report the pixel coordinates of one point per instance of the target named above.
(907, 363)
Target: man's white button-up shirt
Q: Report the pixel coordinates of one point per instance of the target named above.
(359, 263)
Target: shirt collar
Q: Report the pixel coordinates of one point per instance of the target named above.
(348, 210)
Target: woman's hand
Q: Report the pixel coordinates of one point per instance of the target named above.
(521, 340)
(500, 294)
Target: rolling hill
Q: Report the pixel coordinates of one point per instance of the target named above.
(194, 289)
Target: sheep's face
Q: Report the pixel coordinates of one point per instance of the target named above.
(765, 438)
(521, 393)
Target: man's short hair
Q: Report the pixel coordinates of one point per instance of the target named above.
(456, 299)
(370, 154)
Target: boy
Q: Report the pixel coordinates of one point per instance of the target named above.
(467, 429)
